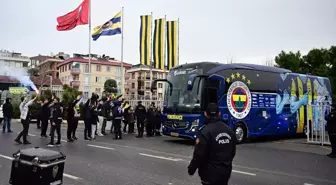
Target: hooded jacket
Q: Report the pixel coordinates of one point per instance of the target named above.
(7, 108)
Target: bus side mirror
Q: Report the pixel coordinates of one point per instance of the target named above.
(192, 79)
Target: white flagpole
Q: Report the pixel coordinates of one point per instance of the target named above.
(89, 81)
(122, 51)
(178, 42)
(151, 55)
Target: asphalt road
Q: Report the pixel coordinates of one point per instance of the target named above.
(163, 161)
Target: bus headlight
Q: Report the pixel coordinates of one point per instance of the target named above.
(195, 122)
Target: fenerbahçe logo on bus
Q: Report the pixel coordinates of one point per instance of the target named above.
(239, 98)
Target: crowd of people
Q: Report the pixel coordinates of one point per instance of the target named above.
(96, 113)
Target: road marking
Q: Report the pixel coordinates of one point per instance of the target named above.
(245, 173)
(103, 147)
(6, 157)
(64, 174)
(71, 176)
(161, 157)
(286, 174)
(307, 184)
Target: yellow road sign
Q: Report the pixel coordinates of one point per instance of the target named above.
(18, 90)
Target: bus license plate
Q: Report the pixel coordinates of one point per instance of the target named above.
(174, 134)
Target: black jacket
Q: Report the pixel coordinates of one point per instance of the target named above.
(87, 110)
(45, 110)
(57, 112)
(331, 122)
(7, 109)
(71, 111)
(214, 151)
(140, 112)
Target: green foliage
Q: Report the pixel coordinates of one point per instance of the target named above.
(16, 100)
(68, 96)
(110, 86)
(319, 62)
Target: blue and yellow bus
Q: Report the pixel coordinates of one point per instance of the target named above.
(254, 100)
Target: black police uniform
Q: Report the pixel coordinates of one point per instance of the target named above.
(214, 152)
(117, 117)
(140, 113)
(57, 112)
(331, 126)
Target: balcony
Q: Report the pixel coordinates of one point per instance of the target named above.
(75, 83)
(75, 71)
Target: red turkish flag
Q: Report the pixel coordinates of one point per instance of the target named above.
(80, 16)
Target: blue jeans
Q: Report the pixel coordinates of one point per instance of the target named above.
(7, 122)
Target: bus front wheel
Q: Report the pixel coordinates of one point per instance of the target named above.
(240, 133)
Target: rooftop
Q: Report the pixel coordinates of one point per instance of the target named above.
(95, 59)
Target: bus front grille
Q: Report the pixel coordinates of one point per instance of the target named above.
(176, 124)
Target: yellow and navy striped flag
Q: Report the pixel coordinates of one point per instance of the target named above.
(111, 27)
(145, 39)
(159, 44)
(171, 44)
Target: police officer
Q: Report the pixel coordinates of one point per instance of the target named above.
(151, 119)
(140, 113)
(117, 117)
(214, 150)
(331, 126)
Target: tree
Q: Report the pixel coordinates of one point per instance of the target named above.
(68, 96)
(291, 61)
(33, 71)
(110, 86)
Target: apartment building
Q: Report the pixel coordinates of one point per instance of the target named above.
(12, 60)
(75, 72)
(138, 83)
(47, 65)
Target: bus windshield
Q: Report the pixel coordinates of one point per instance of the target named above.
(182, 100)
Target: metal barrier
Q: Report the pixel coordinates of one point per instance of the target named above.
(146, 103)
(316, 127)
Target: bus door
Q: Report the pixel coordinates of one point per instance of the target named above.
(214, 90)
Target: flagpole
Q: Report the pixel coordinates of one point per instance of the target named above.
(122, 51)
(151, 55)
(178, 42)
(165, 47)
(89, 81)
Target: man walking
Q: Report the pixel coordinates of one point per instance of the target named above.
(7, 110)
(25, 119)
(214, 150)
(57, 112)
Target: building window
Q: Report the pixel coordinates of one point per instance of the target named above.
(69, 66)
(97, 78)
(107, 78)
(133, 85)
(160, 95)
(118, 71)
(108, 68)
(25, 65)
(98, 67)
(133, 75)
(98, 90)
(147, 84)
(17, 64)
(160, 85)
(86, 68)
(86, 80)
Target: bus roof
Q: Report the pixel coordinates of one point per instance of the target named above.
(250, 67)
(216, 66)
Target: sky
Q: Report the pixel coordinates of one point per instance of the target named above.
(212, 30)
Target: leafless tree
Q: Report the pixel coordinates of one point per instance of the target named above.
(230, 60)
(269, 62)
